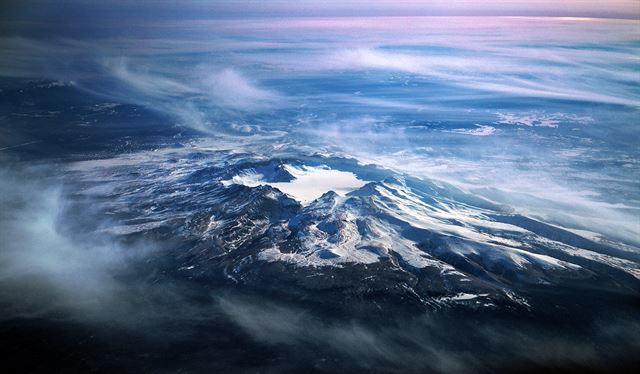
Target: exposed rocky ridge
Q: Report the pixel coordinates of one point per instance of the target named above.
(426, 243)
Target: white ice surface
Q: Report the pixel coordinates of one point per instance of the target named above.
(310, 183)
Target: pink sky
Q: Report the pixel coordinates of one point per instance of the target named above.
(594, 8)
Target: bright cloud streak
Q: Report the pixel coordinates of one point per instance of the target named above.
(229, 88)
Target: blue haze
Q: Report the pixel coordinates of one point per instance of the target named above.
(541, 113)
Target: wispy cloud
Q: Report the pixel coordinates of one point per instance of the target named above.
(497, 74)
(42, 269)
(146, 82)
(194, 97)
(55, 264)
(427, 344)
(229, 88)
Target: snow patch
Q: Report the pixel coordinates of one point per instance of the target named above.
(482, 130)
(541, 119)
(309, 184)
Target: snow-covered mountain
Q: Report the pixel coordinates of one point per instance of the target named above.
(331, 224)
